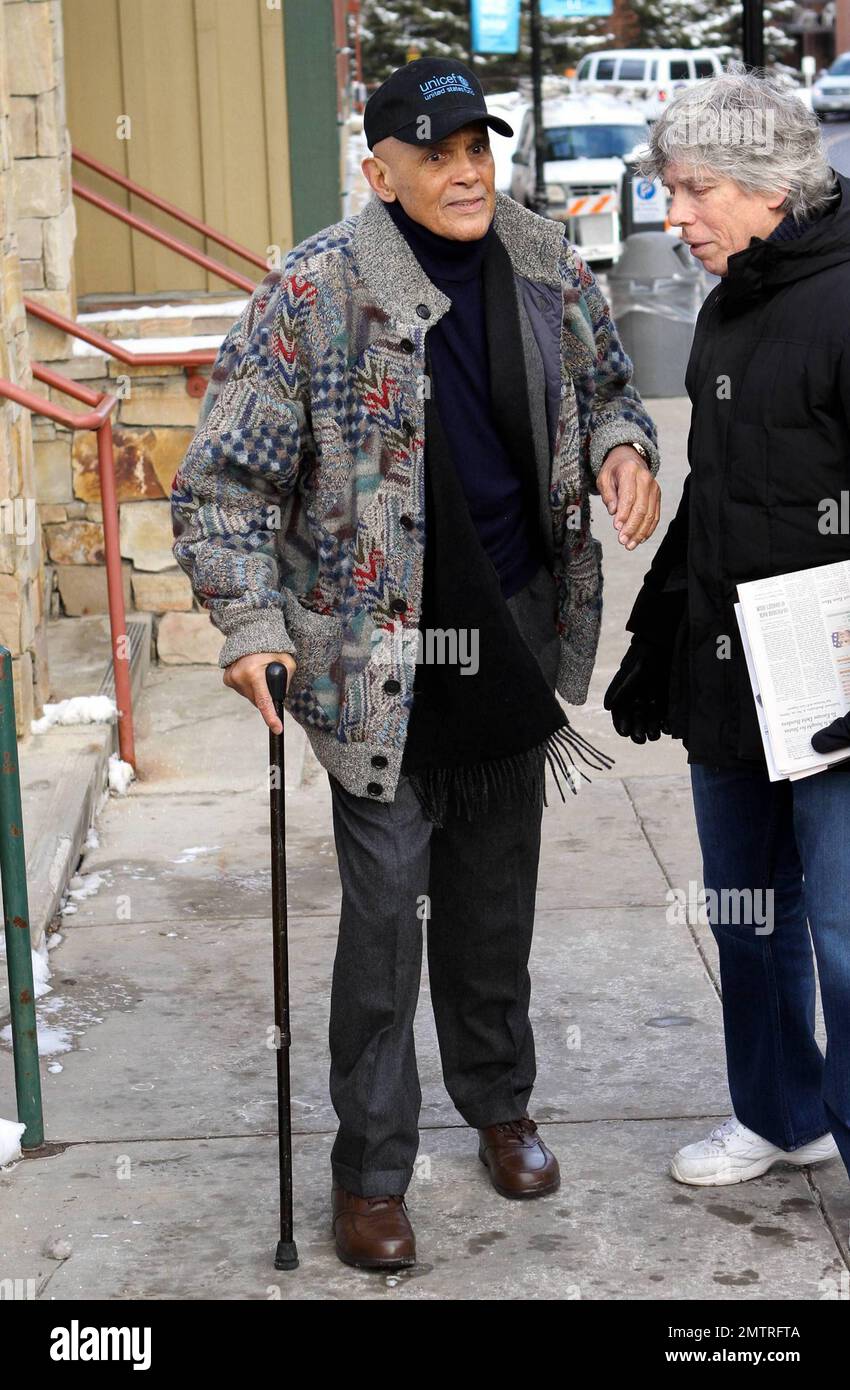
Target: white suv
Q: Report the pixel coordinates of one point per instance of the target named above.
(650, 77)
(586, 140)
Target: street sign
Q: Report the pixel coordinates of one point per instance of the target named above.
(575, 9)
(648, 200)
(495, 26)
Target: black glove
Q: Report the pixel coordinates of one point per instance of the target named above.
(638, 695)
(835, 736)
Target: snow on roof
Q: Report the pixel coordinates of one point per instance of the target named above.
(651, 52)
(142, 345)
(206, 309)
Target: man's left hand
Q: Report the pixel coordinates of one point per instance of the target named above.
(631, 495)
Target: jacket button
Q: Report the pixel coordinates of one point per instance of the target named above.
(423, 311)
(406, 345)
(379, 760)
(374, 788)
(407, 521)
(392, 687)
(399, 605)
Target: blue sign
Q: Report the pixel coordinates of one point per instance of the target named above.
(649, 203)
(495, 26)
(575, 9)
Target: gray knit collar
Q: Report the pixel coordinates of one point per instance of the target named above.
(399, 285)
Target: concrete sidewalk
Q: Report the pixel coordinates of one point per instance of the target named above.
(164, 1175)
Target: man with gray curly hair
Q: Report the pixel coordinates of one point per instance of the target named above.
(744, 139)
(769, 382)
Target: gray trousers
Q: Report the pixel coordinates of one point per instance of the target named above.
(473, 884)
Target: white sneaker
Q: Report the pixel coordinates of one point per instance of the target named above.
(733, 1153)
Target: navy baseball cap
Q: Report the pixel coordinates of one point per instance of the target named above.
(448, 94)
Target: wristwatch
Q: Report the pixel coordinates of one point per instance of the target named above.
(640, 449)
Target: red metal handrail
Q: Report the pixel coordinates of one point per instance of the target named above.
(197, 357)
(156, 234)
(196, 385)
(97, 419)
(178, 213)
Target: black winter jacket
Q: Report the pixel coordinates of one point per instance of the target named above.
(769, 383)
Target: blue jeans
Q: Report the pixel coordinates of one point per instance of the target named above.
(792, 838)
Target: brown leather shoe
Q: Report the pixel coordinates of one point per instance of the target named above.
(372, 1232)
(519, 1163)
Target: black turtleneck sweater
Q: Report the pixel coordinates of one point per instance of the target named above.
(460, 388)
(789, 228)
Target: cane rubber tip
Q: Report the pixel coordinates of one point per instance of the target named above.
(286, 1255)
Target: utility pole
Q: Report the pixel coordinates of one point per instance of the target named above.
(753, 36)
(541, 202)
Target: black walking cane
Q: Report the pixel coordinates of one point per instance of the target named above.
(286, 1255)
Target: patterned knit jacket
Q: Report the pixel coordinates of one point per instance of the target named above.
(298, 509)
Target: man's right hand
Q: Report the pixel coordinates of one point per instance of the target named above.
(248, 677)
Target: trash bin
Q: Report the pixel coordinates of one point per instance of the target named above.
(655, 293)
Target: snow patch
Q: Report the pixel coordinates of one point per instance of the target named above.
(80, 709)
(83, 885)
(121, 774)
(211, 341)
(10, 1141)
(230, 308)
(51, 1039)
(40, 973)
(40, 967)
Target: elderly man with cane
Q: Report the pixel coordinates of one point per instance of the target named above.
(389, 493)
(769, 383)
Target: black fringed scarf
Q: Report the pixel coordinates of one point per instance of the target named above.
(491, 732)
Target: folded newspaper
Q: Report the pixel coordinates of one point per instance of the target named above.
(795, 631)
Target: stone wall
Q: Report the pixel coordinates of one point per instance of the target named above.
(152, 427)
(153, 423)
(42, 154)
(27, 112)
